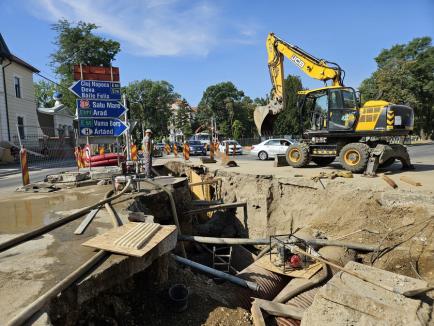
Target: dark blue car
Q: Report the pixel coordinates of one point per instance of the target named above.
(196, 148)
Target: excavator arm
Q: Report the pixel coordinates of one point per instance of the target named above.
(277, 49)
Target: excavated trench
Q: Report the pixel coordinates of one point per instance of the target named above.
(337, 209)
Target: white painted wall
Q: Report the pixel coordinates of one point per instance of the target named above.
(3, 119)
(24, 106)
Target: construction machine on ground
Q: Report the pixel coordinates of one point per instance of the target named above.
(339, 124)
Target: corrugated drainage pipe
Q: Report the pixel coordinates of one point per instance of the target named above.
(270, 284)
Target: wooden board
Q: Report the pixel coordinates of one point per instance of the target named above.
(306, 273)
(138, 235)
(106, 240)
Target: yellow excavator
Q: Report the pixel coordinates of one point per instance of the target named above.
(339, 125)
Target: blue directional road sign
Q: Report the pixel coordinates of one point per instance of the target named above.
(99, 109)
(96, 89)
(102, 127)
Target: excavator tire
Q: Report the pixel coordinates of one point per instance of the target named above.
(354, 157)
(323, 161)
(297, 155)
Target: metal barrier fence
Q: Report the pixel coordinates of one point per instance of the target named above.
(46, 147)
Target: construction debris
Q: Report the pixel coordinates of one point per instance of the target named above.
(332, 175)
(348, 300)
(410, 181)
(390, 182)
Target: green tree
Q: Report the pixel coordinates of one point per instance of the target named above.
(44, 91)
(237, 129)
(78, 44)
(227, 104)
(183, 118)
(219, 101)
(405, 76)
(288, 121)
(150, 103)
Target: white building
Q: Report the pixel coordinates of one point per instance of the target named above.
(17, 95)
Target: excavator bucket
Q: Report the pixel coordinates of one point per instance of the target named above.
(265, 115)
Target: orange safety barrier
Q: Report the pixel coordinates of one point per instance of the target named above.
(134, 152)
(79, 157)
(167, 149)
(24, 167)
(175, 150)
(186, 152)
(211, 151)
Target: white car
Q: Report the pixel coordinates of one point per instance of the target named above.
(231, 143)
(270, 148)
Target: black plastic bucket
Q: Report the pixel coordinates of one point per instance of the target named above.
(178, 293)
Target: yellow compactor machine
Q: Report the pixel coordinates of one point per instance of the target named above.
(339, 125)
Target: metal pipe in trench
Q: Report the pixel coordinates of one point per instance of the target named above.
(46, 228)
(228, 277)
(102, 255)
(172, 206)
(246, 241)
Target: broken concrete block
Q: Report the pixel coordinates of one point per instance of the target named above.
(347, 300)
(67, 177)
(140, 217)
(280, 160)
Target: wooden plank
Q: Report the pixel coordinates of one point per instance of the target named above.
(85, 223)
(258, 318)
(306, 273)
(138, 235)
(410, 181)
(390, 182)
(105, 241)
(280, 309)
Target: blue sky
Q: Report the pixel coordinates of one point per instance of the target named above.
(194, 44)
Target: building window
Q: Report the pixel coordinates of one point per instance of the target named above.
(20, 122)
(17, 87)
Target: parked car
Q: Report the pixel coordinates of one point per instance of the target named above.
(270, 148)
(231, 143)
(158, 149)
(196, 147)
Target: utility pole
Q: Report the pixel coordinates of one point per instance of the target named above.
(127, 134)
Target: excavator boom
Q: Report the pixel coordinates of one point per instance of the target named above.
(313, 67)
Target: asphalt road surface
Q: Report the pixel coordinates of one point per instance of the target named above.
(421, 153)
(424, 152)
(11, 182)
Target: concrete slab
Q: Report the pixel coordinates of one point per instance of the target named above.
(347, 300)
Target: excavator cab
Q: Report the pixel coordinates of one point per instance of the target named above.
(330, 109)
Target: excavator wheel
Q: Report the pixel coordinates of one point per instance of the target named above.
(354, 157)
(297, 155)
(323, 161)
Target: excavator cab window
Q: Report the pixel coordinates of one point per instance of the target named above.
(332, 109)
(342, 109)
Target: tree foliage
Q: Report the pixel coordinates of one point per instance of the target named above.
(183, 118)
(150, 103)
(44, 91)
(288, 121)
(405, 75)
(232, 110)
(78, 44)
